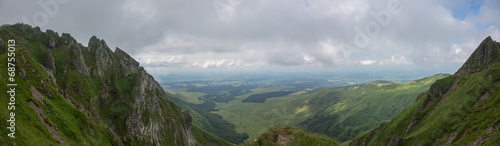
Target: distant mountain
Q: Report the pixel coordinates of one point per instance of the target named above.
(69, 94)
(462, 109)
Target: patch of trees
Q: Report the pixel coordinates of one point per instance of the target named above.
(260, 98)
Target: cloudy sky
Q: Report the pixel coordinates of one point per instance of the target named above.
(194, 35)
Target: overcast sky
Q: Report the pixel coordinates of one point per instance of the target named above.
(193, 35)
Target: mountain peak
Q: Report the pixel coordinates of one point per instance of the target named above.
(486, 54)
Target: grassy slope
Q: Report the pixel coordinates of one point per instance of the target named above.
(294, 109)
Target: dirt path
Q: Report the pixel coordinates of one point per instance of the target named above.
(452, 136)
(50, 128)
(284, 138)
(492, 130)
(36, 94)
(39, 112)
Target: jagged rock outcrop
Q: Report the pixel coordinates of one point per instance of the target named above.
(52, 43)
(67, 39)
(49, 61)
(187, 131)
(128, 64)
(104, 57)
(148, 120)
(37, 32)
(485, 55)
(75, 60)
(52, 36)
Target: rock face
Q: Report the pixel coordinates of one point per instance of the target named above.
(52, 35)
(148, 121)
(104, 57)
(485, 55)
(67, 39)
(49, 61)
(128, 64)
(75, 60)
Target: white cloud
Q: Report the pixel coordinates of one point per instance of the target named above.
(367, 62)
(395, 60)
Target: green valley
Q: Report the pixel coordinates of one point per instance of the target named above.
(341, 112)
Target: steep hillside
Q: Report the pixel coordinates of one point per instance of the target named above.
(288, 136)
(69, 94)
(462, 109)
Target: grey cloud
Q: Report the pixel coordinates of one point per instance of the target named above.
(264, 33)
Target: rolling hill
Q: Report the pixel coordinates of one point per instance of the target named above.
(462, 109)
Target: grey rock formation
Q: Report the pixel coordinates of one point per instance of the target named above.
(22, 74)
(49, 61)
(485, 55)
(52, 38)
(37, 32)
(150, 100)
(75, 60)
(127, 64)
(104, 57)
(187, 131)
(52, 43)
(67, 39)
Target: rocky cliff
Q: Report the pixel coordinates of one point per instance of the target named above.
(95, 96)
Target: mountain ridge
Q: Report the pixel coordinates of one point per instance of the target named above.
(89, 95)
